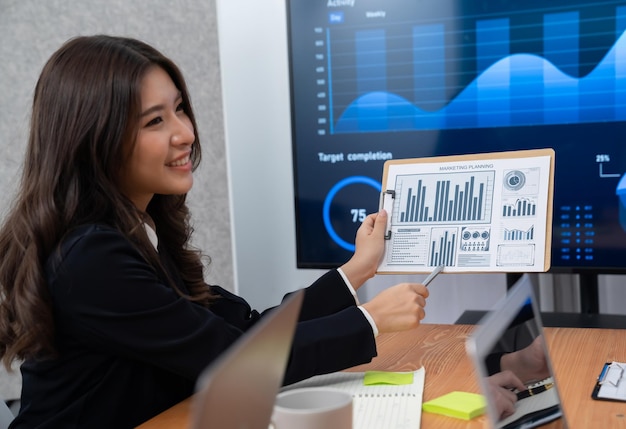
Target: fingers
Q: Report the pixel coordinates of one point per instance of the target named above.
(374, 225)
(508, 380)
(421, 291)
(506, 403)
(398, 308)
(369, 248)
(501, 384)
(380, 223)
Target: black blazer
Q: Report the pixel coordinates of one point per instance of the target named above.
(130, 347)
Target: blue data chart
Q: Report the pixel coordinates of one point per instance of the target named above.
(577, 233)
(406, 79)
(379, 80)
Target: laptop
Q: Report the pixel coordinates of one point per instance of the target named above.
(512, 329)
(239, 389)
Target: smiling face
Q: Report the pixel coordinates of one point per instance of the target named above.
(159, 162)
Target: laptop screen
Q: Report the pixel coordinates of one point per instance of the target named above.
(239, 389)
(510, 339)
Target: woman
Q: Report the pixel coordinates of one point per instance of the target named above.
(104, 300)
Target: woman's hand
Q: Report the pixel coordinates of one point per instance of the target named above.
(500, 385)
(398, 308)
(369, 248)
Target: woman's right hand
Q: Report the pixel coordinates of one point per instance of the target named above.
(501, 385)
(398, 308)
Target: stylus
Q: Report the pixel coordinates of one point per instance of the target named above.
(431, 276)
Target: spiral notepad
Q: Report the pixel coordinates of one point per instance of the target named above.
(376, 406)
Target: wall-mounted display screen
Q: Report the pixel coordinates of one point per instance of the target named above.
(373, 80)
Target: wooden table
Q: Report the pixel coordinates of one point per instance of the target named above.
(577, 354)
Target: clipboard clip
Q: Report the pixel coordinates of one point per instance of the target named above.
(392, 194)
(613, 374)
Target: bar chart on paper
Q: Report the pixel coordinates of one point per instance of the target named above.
(449, 198)
(519, 235)
(427, 209)
(469, 213)
(443, 247)
(522, 207)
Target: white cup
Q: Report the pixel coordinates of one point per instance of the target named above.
(312, 408)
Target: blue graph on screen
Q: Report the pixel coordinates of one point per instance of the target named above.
(509, 89)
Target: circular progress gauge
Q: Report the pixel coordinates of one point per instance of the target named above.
(347, 188)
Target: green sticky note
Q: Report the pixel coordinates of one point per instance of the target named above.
(386, 377)
(462, 405)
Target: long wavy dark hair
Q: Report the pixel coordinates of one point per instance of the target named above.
(85, 117)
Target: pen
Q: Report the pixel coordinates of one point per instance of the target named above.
(534, 391)
(431, 276)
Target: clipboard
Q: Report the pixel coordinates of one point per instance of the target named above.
(611, 383)
(476, 213)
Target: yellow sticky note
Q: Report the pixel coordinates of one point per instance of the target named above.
(462, 405)
(386, 377)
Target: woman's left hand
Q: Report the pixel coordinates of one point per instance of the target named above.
(369, 248)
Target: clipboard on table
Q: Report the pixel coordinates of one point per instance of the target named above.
(611, 383)
(487, 212)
